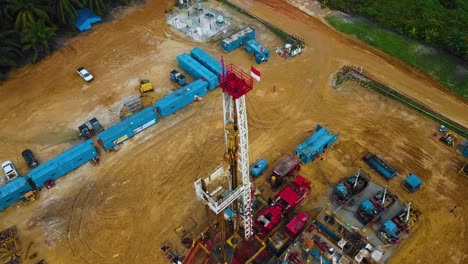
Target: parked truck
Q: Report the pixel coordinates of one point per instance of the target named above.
(370, 210)
(261, 53)
(178, 77)
(394, 230)
(286, 167)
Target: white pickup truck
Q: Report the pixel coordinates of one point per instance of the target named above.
(9, 170)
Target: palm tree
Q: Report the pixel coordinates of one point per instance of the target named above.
(65, 11)
(98, 6)
(26, 11)
(10, 49)
(36, 36)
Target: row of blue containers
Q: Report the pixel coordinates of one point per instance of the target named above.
(313, 147)
(53, 169)
(261, 53)
(13, 191)
(197, 71)
(76, 156)
(166, 106)
(207, 60)
(127, 128)
(181, 98)
(236, 40)
(63, 163)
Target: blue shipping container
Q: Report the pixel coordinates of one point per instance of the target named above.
(13, 191)
(312, 147)
(236, 40)
(207, 60)
(197, 71)
(261, 53)
(181, 98)
(127, 128)
(63, 163)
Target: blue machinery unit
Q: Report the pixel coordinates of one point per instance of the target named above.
(238, 39)
(181, 98)
(197, 71)
(261, 53)
(412, 183)
(312, 147)
(127, 128)
(13, 191)
(258, 168)
(63, 163)
(207, 60)
(382, 167)
(53, 169)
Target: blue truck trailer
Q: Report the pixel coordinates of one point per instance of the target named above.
(238, 39)
(181, 98)
(127, 128)
(207, 60)
(261, 53)
(63, 163)
(197, 71)
(13, 191)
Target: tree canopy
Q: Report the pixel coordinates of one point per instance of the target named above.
(441, 23)
(27, 27)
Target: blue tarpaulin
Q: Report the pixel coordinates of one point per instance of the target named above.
(85, 19)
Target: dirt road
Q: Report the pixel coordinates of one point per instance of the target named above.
(124, 209)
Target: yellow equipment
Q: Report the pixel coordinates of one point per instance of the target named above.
(30, 197)
(146, 86)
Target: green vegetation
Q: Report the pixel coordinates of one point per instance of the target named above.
(440, 23)
(445, 68)
(27, 27)
(280, 33)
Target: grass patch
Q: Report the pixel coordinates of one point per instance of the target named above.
(447, 69)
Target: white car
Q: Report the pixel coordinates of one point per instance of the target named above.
(9, 170)
(85, 74)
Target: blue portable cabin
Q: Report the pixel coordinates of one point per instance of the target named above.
(207, 60)
(382, 167)
(261, 53)
(412, 183)
(13, 191)
(312, 147)
(181, 98)
(197, 71)
(63, 163)
(258, 168)
(238, 39)
(127, 128)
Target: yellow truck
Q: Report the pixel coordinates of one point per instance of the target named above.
(146, 86)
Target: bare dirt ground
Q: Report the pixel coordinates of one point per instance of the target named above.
(124, 209)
